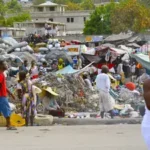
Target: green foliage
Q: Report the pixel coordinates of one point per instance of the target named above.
(67, 1)
(130, 15)
(11, 12)
(88, 5)
(37, 2)
(119, 17)
(145, 2)
(99, 22)
(77, 4)
(73, 6)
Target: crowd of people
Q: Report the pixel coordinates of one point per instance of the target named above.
(28, 74)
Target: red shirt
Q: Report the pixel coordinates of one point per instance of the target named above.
(3, 89)
(99, 66)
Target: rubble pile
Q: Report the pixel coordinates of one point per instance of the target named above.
(8, 45)
(56, 54)
(25, 56)
(72, 93)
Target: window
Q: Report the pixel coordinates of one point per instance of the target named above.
(52, 8)
(51, 19)
(72, 19)
(40, 9)
(68, 19)
(84, 19)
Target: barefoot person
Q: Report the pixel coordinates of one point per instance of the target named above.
(4, 105)
(146, 119)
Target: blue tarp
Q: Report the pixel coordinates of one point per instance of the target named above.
(142, 59)
(66, 70)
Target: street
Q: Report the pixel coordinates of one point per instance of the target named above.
(110, 137)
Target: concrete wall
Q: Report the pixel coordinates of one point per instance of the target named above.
(78, 17)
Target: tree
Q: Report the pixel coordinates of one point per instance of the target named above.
(60, 1)
(130, 15)
(145, 2)
(73, 6)
(11, 12)
(38, 2)
(88, 5)
(99, 21)
(67, 1)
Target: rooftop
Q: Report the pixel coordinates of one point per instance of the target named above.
(48, 3)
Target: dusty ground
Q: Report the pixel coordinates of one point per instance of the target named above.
(110, 137)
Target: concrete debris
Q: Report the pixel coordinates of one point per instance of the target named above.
(72, 94)
(56, 54)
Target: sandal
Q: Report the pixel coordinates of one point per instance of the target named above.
(11, 128)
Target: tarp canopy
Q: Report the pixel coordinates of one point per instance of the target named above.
(101, 48)
(108, 45)
(90, 51)
(67, 70)
(134, 45)
(118, 37)
(134, 39)
(142, 59)
(91, 58)
(117, 51)
(126, 49)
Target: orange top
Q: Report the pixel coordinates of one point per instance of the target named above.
(139, 66)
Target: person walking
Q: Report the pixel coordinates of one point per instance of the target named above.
(4, 105)
(103, 86)
(146, 119)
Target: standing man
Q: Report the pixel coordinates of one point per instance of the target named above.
(103, 85)
(4, 105)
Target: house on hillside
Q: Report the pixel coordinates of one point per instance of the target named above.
(73, 21)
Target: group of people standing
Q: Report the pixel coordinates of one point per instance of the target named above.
(26, 76)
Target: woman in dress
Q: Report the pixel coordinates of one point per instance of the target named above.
(24, 88)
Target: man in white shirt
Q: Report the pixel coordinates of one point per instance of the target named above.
(103, 85)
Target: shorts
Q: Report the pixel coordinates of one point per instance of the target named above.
(4, 107)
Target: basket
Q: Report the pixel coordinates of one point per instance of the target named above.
(16, 121)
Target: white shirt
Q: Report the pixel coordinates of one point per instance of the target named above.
(120, 69)
(103, 82)
(88, 83)
(34, 71)
(133, 68)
